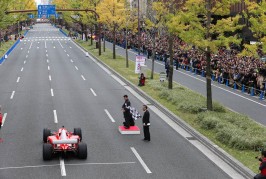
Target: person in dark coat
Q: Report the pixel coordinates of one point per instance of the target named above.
(146, 123)
(262, 168)
(127, 115)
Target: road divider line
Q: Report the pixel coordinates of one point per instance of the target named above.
(140, 160)
(30, 46)
(109, 115)
(60, 44)
(4, 119)
(50, 78)
(64, 50)
(93, 92)
(52, 92)
(46, 55)
(55, 117)
(12, 95)
(83, 77)
(67, 55)
(48, 67)
(21, 69)
(18, 79)
(26, 56)
(24, 61)
(47, 61)
(71, 61)
(28, 51)
(76, 68)
(62, 166)
(45, 44)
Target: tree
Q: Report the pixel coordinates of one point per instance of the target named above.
(112, 14)
(201, 30)
(256, 15)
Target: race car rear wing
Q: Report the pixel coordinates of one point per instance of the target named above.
(65, 141)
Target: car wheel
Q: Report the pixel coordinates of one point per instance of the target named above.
(77, 131)
(46, 134)
(47, 151)
(82, 150)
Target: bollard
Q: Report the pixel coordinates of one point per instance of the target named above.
(5, 56)
(196, 71)
(261, 95)
(202, 73)
(252, 91)
(227, 82)
(235, 85)
(87, 54)
(243, 88)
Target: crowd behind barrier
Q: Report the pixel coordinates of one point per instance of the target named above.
(247, 74)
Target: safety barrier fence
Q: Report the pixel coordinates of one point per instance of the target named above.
(220, 80)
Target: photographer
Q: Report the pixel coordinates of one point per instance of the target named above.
(262, 168)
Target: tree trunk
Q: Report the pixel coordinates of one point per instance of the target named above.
(99, 39)
(170, 76)
(104, 41)
(208, 57)
(126, 51)
(153, 55)
(114, 43)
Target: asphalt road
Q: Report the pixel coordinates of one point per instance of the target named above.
(46, 75)
(233, 99)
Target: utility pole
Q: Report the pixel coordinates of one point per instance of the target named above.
(138, 29)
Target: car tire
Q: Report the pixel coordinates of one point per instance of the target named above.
(46, 134)
(47, 151)
(77, 131)
(82, 150)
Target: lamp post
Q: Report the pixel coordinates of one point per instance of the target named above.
(138, 30)
(153, 31)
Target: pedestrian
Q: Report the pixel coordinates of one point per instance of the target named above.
(126, 111)
(146, 123)
(262, 168)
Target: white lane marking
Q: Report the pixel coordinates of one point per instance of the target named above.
(21, 48)
(50, 78)
(115, 163)
(47, 61)
(28, 51)
(45, 44)
(74, 164)
(54, 46)
(60, 44)
(30, 46)
(93, 92)
(46, 51)
(55, 117)
(46, 55)
(62, 166)
(24, 61)
(71, 61)
(4, 119)
(26, 56)
(67, 55)
(12, 95)
(70, 47)
(48, 68)
(76, 68)
(140, 160)
(18, 79)
(38, 47)
(83, 77)
(109, 115)
(21, 69)
(52, 92)
(64, 50)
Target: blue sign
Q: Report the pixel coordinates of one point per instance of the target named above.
(46, 11)
(31, 16)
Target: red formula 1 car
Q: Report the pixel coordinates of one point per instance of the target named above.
(63, 141)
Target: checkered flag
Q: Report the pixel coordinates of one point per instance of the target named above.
(135, 114)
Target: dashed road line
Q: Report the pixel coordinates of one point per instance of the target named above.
(67, 55)
(30, 46)
(24, 61)
(71, 61)
(45, 44)
(52, 92)
(109, 115)
(22, 69)
(4, 119)
(93, 92)
(140, 160)
(60, 44)
(26, 56)
(12, 95)
(55, 117)
(47, 61)
(50, 78)
(83, 77)
(48, 67)
(62, 167)
(76, 68)
(18, 79)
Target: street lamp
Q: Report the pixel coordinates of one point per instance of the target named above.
(138, 30)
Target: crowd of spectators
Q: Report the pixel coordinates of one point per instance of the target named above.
(225, 64)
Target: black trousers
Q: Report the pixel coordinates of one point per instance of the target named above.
(146, 132)
(259, 176)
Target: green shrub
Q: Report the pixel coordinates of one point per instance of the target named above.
(224, 134)
(209, 122)
(164, 94)
(218, 108)
(190, 107)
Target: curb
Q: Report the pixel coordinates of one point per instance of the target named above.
(2, 59)
(234, 163)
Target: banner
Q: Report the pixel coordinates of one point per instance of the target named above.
(140, 61)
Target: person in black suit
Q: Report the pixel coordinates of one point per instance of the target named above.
(126, 111)
(146, 123)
